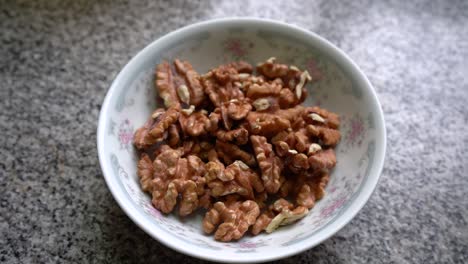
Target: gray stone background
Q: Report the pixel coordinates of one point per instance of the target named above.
(58, 58)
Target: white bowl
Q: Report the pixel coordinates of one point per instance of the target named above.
(343, 88)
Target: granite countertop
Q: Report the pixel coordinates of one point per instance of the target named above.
(58, 58)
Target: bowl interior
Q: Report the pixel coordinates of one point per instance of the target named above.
(340, 89)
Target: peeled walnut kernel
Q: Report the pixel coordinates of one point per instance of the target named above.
(271, 69)
(232, 220)
(262, 222)
(266, 124)
(243, 181)
(165, 83)
(145, 172)
(325, 159)
(183, 93)
(305, 76)
(238, 109)
(154, 129)
(317, 118)
(163, 121)
(261, 104)
(230, 152)
(195, 124)
(311, 189)
(240, 136)
(193, 84)
(314, 147)
(286, 217)
(270, 165)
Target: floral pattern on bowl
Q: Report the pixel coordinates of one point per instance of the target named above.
(334, 90)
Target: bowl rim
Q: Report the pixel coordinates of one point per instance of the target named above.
(349, 213)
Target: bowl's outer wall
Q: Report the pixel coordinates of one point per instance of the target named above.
(342, 88)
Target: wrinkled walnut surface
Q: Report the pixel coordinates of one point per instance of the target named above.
(230, 142)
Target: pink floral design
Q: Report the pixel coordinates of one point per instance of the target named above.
(247, 244)
(154, 212)
(125, 134)
(327, 211)
(314, 71)
(237, 48)
(356, 131)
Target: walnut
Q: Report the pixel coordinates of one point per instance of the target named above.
(322, 124)
(291, 77)
(311, 189)
(283, 142)
(237, 109)
(287, 186)
(291, 114)
(215, 170)
(189, 198)
(239, 136)
(261, 104)
(270, 165)
(232, 219)
(230, 152)
(211, 87)
(206, 200)
(317, 118)
(225, 74)
(256, 90)
(213, 121)
(142, 139)
(330, 119)
(297, 162)
(266, 124)
(195, 89)
(244, 181)
(294, 140)
(281, 212)
(325, 159)
(302, 81)
(173, 137)
(302, 140)
(286, 217)
(145, 172)
(266, 103)
(196, 172)
(280, 205)
(273, 70)
(175, 175)
(261, 199)
(313, 148)
(166, 164)
(163, 121)
(242, 67)
(262, 222)
(196, 147)
(213, 146)
(287, 99)
(188, 111)
(328, 136)
(195, 124)
(290, 146)
(154, 129)
(183, 93)
(167, 82)
(219, 94)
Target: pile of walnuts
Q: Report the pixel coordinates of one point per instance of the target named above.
(239, 145)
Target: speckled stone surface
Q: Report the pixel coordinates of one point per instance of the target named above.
(58, 58)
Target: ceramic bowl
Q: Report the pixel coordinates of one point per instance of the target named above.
(342, 88)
